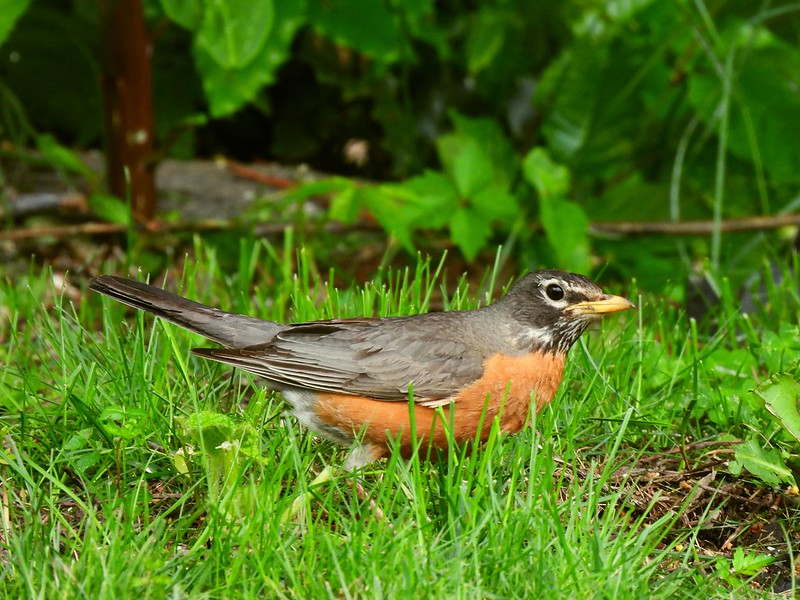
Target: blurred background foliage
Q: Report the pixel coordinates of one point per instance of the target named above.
(516, 122)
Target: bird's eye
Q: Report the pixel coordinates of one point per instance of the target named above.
(554, 292)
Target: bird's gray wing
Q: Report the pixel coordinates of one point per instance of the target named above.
(378, 358)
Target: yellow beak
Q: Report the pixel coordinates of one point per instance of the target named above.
(605, 304)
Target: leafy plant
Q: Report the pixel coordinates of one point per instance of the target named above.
(470, 196)
(11, 12)
(565, 223)
(765, 463)
(226, 447)
(781, 394)
(646, 110)
(238, 45)
(743, 564)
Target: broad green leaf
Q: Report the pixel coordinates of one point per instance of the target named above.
(495, 204)
(227, 90)
(447, 148)
(781, 394)
(567, 229)
(439, 199)
(234, 31)
(87, 461)
(10, 12)
(466, 162)
(432, 183)
(395, 208)
(213, 432)
(180, 459)
(188, 15)
(766, 464)
(565, 223)
(470, 232)
(420, 20)
(494, 142)
(367, 27)
(550, 179)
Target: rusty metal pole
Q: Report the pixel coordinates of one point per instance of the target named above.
(126, 52)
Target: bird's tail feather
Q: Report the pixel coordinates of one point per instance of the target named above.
(229, 329)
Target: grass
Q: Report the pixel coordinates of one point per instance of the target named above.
(129, 467)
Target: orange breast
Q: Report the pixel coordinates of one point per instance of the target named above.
(507, 389)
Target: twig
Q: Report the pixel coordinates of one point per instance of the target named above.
(281, 183)
(756, 223)
(92, 229)
(624, 228)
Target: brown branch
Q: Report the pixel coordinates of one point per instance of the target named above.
(281, 183)
(757, 223)
(155, 228)
(623, 228)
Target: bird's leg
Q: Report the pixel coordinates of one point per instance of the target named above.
(373, 506)
(359, 456)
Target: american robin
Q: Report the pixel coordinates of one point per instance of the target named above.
(351, 379)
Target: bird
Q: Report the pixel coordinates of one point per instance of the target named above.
(372, 384)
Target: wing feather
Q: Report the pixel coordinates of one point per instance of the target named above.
(379, 358)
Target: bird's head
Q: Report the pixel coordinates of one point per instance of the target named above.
(554, 308)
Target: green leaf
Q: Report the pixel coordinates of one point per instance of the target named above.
(550, 179)
(466, 162)
(214, 432)
(781, 394)
(79, 439)
(321, 187)
(765, 464)
(87, 460)
(565, 223)
(494, 142)
(181, 459)
(234, 31)
(11, 11)
(485, 39)
(110, 208)
(573, 80)
(438, 199)
(396, 208)
(495, 204)
(62, 157)
(227, 90)
(567, 229)
(470, 232)
(367, 27)
(346, 205)
(749, 564)
(188, 15)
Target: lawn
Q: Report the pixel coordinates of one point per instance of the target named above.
(131, 468)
